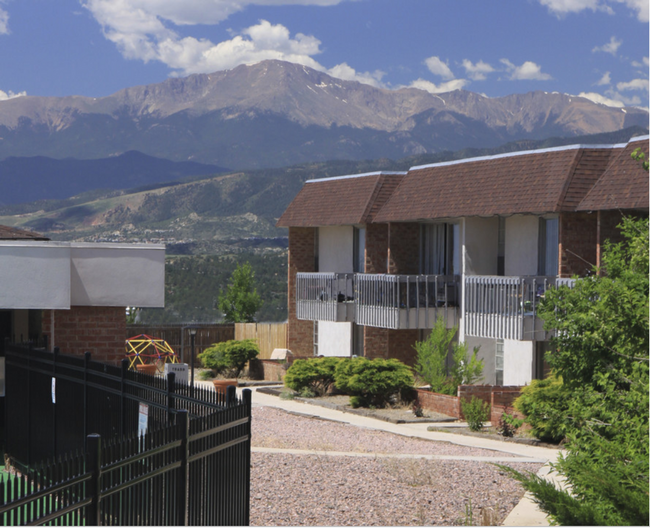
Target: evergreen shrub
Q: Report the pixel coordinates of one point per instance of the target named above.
(315, 374)
(371, 383)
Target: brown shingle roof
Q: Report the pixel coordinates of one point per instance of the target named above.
(624, 185)
(340, 201)
(13, 233)
(533, 182)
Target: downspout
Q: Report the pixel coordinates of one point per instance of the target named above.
(598, 242)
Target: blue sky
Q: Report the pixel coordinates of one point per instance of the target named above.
(597, 48)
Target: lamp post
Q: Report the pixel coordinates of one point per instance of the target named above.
(192, 336)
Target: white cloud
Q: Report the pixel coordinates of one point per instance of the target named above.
(449, 86)
(644, 62)
(345, 72)
(601, 99)
(611, 47)
(605, 79)
(635, 84)
(11, 95)
(563, 7)
(4, 22)
(528, 71)
(438, 67)
(478, 71)
(138, 29)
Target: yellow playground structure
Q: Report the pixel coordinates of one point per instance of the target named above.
(146, 350)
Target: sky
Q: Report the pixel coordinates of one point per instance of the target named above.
(594, 48)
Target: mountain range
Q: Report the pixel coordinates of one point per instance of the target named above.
(276, 113)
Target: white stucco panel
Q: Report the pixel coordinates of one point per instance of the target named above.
(34, 275)
(118, 275)
(481, 246)
(335, 248)
(522, 233)
(517, 362)
(334, 339)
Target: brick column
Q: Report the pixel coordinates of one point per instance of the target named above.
(300, 335)
(577, 243)
(404, 248)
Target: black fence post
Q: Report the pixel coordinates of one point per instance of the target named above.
(171, 389)
(93, 465)
(29, 406)
(55, 355)
(248, 402)
(125, 366)
(182, 488)
(231, 395)
(85, 402)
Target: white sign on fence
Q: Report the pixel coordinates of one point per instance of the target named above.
(143, 419)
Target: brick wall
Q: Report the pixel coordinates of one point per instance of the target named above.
(300, 334)
(502, 400)
(404, 248)
(578, 234)
(94, 329)
(498, 397)
(376, 248)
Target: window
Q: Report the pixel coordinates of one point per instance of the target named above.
(547, 261)
(359, 250)
(357, 340)
(439, 249)
(498, 363)
(501, 248)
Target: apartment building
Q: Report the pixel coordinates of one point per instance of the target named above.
(376, 259)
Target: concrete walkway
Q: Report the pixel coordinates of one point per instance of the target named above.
(526, 513)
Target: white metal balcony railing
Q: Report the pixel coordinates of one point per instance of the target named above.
(380, 300)
(405, 301)
(325, 296)
(506, 307)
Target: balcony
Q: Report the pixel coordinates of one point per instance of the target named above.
(325, 297)
(506, 307)
(406, 301)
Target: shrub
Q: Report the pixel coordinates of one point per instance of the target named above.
(508, 425)
(476, 412)
(231, 354)
(544, 403)
(372, 382)
(315, 374)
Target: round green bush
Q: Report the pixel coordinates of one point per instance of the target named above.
(371, 383)
(476, 412)
(316, 374)
(544, 403)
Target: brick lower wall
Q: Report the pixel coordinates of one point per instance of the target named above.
(94, 329)
(441, 403)
(375, 342)
(499, 398)
(400, 345)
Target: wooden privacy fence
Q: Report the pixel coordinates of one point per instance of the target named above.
(269, 336)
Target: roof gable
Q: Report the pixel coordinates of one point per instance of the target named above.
(340, 201)
(624, 185)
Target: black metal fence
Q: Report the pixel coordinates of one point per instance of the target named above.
(191, 467)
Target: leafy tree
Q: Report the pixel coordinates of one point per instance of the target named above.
(602, 357)
(240, 302)
(432, 357)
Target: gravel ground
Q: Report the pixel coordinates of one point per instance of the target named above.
(323, 490)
